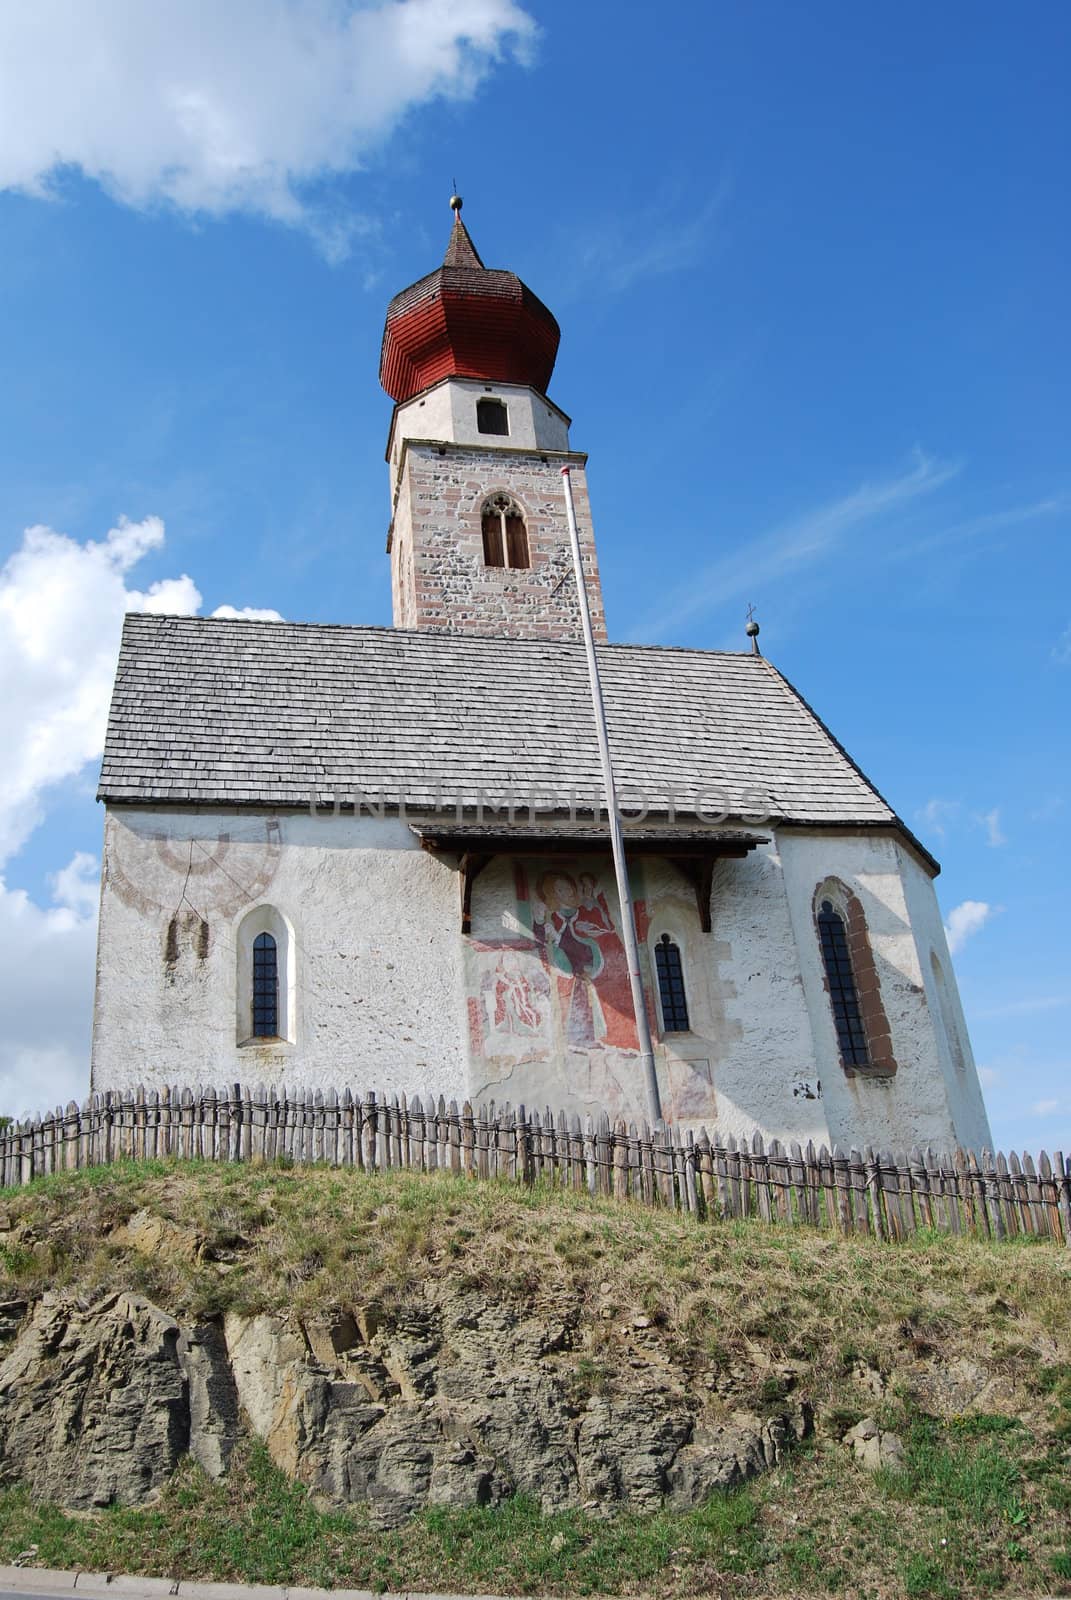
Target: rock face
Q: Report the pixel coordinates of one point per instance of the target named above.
(99, 1403)
(457, 1400)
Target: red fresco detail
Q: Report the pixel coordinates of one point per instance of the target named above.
(475, 1025)
(574, 927)
(643, 921)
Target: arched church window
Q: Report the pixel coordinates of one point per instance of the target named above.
(671, 993)
(843, 992)
(505, 537)
(492, 416)
(265, 987)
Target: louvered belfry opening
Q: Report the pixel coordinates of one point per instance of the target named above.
(505, 536)
(492, 417)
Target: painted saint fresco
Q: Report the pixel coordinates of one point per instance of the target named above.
(559, 977)
(573, 926)
(549, 999)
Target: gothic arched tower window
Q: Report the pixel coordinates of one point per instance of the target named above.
(467, 357)
(505, 537)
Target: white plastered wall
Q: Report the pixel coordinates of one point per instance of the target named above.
(448, 412)
(768, 1079)
(378, 980)
(922, 1103)
(374, 974)
(970, 1119)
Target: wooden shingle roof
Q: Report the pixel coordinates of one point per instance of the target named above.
(218, 712)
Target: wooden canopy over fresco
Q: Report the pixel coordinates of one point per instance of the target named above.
(693, 851)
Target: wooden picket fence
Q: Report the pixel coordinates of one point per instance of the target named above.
(864, 1192)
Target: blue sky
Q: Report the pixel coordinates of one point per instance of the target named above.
(810, 265)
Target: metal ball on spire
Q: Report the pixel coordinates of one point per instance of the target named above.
(456, 203)
(752, 630)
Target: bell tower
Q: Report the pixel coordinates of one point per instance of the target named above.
(479, 541)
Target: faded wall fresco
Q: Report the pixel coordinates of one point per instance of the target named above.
(549, 1002)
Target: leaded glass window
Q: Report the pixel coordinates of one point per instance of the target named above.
(843, 995)
(265, 987)
(671, 986)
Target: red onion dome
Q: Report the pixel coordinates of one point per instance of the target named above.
(466, 321)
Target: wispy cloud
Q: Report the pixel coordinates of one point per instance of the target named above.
(798, 544)
(616, 251)
(1045, 1108)
(1061, 650)
(1048, 809)
(974, 530)
(989, 1077)
(990, 821)
(936, 815)
(964, 921)
(1026, 1008)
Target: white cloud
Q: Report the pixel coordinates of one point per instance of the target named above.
(246, 613)
(798, 544)
(964, 920)
(61, 610)
(245, 106)
(1045, 1108)
(988, 1077)
(46, 990)
(61, 607)
(76, 887)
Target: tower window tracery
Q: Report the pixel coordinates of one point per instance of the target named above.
(505, 537)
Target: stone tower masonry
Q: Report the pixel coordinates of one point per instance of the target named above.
(478, 540)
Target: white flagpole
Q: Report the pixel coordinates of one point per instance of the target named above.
(624, 894)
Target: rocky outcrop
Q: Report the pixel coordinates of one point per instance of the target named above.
(460, 1399)
(874, 1448)
(99, 1403)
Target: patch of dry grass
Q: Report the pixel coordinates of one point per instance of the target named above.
(982, 1509)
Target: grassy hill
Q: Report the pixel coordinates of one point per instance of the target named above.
(961, 1348)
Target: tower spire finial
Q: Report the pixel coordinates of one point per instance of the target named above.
(752, 630)
(456, 202)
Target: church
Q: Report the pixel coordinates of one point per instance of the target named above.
(378, 858)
